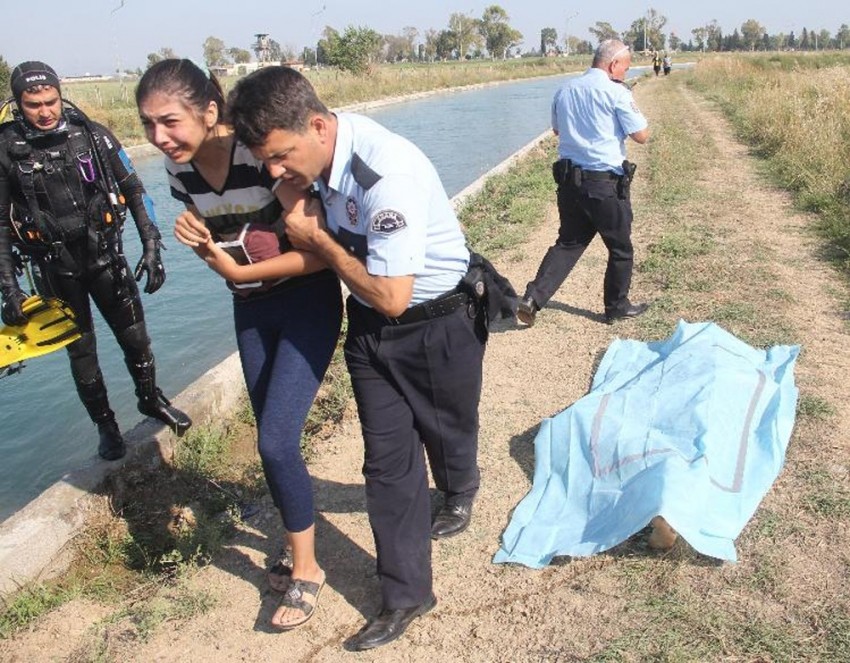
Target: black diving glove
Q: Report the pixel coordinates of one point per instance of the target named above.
(151, 262)
(12, 311)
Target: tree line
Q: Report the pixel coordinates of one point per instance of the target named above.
(466, 37)
(646, 33)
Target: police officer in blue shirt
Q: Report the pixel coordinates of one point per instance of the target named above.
(592, 115)
(415, 342)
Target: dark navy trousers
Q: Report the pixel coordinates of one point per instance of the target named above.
(286, 340)
(416, 385)
(594, 207)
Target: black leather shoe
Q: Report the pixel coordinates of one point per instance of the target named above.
(388, 626)
(111, 446)
(526, 311)
(630, 311)
(450, 520)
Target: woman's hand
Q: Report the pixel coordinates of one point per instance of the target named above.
(221, 262)
(190, 229)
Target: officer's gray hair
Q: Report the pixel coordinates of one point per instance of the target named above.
(607, 50)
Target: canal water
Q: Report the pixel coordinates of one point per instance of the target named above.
(44, 430)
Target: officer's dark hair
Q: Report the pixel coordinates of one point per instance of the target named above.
(182, 77)
(271, 98)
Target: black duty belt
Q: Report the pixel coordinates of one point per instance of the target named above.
(599, 175)
(438, 307)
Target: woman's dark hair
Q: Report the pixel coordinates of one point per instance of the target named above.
(271, 98)
(182, 77)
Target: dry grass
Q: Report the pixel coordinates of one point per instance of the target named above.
(795, 112)
(718, 250)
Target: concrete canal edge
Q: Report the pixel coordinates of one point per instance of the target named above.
(34, 540)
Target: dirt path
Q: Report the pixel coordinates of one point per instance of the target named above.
(488, 612)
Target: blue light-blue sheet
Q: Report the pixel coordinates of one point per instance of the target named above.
(693, 428)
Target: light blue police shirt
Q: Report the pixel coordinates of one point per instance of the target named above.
(385, 203)
(593, 116)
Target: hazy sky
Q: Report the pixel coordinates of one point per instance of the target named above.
(98, 36)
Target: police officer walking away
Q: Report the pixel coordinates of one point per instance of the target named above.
(415, 341)
(70, 183)
(592, 115)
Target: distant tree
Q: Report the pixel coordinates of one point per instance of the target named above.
(824, 39)
(163, 54)
(714, 36)
(548, 40)
(701, 35)
(648, 27)
(603, 31)
(396, 48)
(466, 33)
(792, 40)
(445, 44)
(766, 42)
(326, 45)
(429, 48)
(732, 42)
(215, 52)
(804, 41)
(5, 75)
(239, 55)
(276, 52)
(674, 42)
(309, 56)
(578, 46)
(842, 37)
(751, 33)
(288, 53)
(499, 36)
(356, 50)
(410, 35)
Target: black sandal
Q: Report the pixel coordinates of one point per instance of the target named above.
(294, 599)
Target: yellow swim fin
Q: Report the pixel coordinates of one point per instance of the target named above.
(50, 326)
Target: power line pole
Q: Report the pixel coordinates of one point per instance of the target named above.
(567, 29)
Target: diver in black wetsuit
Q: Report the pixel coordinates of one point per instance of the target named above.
(70, 183)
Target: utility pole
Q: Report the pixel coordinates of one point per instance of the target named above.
(567, 29)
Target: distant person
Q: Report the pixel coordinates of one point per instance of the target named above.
(656, 62)
(592, 115)
(667, 63)
(415, 341)
(71, 182)
(288, 317)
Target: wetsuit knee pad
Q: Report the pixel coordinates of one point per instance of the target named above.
(83, 356)
(134, 341)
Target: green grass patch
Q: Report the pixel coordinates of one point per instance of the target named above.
(510, 205)
(814, 407)
(836, 622)
(31, 603)
(825, 494)
(679, 625)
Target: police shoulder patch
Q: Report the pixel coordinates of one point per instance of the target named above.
(388, 221)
